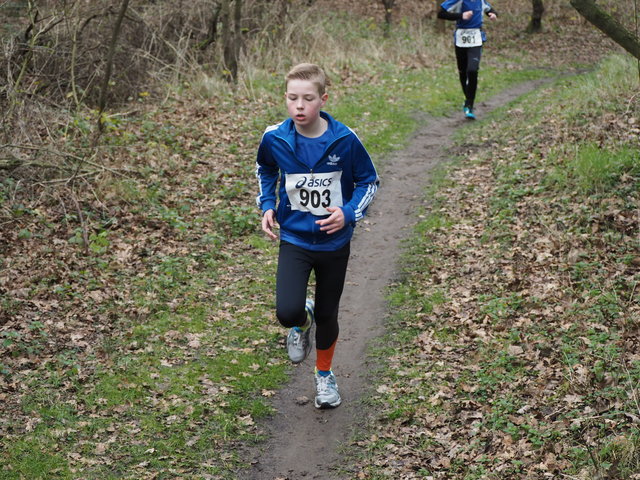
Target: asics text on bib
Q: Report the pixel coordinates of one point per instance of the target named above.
(314, 192)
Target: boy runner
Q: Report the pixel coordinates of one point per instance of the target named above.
(325, 180)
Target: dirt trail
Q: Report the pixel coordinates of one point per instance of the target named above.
(305, 442)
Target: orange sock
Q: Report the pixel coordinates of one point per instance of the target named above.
(324, 357)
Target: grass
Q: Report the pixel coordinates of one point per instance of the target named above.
(592, 171)
(531, 354)
(170, 391)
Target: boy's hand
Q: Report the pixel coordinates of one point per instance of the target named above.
(334, 222)
(467, 15)
(268, 223)
(492, 16)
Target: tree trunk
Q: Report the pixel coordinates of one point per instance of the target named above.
(231, 37)
(608, 25)
(227, 40)
(212, 34)
(535, 24)
(102, 102)
(388, 14)
(283, 16)
(237, 38)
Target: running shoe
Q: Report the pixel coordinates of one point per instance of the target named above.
(468, 112)
(299, 339)
(327, 395)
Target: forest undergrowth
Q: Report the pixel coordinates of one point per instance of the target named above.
(134, 281)
(513, 349)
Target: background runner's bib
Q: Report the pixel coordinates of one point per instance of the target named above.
(468, 37)
(314, 193)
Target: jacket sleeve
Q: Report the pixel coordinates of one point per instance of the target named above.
(451, 10)
(449, 15)
(267, 172)
(366, 181)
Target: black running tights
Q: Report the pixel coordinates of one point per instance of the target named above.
(294, 269)
(468, 65)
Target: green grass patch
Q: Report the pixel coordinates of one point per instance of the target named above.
(526, 346)
(166, 394)
(590, 169)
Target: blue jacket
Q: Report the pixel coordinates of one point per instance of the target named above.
(457, 7)
(345, 160)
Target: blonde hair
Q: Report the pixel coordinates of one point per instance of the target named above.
(311, 72)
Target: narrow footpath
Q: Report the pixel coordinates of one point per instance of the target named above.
(304, 443)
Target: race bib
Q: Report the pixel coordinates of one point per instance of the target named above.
(314, 192)
(468, 37)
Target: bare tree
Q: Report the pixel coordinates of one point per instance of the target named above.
(388, 14)
(212, 33)
(37, 28)
(535, 24)
(227, 39)
(284, 15)
(237, 36)
(608, 25)
(102, 102)
(231, 37)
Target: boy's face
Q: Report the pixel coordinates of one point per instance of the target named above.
(304, 102)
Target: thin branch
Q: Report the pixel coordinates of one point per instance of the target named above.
(18, 163)
(64, 209)
(633, 291)
(83, 225)
(630, 103)
(95, 195)
(102, 101)
(89, 19)
(596, 464)
(634, 391)
(67, 155)
(68, 179)
(50, 26)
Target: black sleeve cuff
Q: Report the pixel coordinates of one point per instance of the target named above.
(448, 15)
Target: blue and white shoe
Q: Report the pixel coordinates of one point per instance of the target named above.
(299, 339)
(327, 395)
(468, 112)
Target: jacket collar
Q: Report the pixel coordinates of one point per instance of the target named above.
(287, 129)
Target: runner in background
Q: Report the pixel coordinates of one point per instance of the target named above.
(468, 40)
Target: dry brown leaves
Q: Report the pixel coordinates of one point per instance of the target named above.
(493, 387)
(60, 295)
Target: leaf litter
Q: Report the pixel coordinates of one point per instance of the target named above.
(526, 363)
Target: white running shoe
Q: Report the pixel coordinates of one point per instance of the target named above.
(327, 395)
(299, 340)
